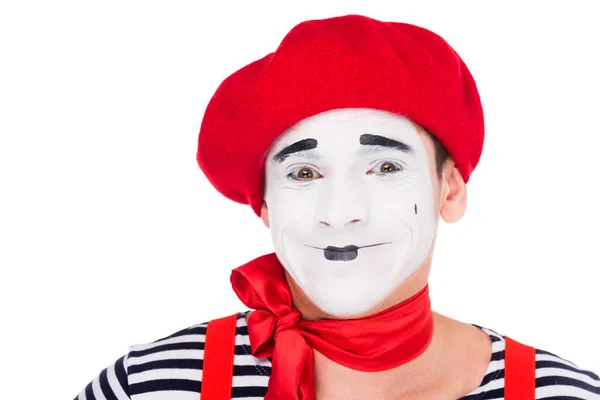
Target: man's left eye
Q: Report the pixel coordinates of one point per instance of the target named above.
(386, 167)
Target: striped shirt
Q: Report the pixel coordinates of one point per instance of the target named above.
(171, 368)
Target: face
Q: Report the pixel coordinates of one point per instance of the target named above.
(351, 209)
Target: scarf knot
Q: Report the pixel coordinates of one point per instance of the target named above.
(287, 321)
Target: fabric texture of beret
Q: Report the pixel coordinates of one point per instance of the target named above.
(350, 61)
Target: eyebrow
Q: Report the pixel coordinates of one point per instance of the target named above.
(367, 139)
(302, 145)
(385, 142)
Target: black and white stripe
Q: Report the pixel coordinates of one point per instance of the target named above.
(556, 378)
(171, 368)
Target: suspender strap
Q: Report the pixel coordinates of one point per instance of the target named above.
(519, 371)
(219, 349)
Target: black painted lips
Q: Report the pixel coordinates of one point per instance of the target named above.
(346, 253)
(345, 248)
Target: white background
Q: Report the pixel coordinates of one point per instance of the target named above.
(110, 234)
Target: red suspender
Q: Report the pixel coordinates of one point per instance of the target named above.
(219, 349)
(519, 371)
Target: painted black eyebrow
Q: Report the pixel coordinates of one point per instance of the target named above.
(365, 139)
(302, 145)
(377, 140)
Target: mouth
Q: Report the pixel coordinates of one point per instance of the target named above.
(346, 253)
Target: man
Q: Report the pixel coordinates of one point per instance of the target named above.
(349, 141)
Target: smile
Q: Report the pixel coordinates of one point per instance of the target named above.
(346, 253)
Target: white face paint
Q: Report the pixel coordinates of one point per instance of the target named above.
(346, 187)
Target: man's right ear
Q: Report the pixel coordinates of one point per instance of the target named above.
(264, 214)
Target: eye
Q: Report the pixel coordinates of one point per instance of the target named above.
(303, 174)
(386, 168)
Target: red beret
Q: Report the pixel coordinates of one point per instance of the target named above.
(350, 61)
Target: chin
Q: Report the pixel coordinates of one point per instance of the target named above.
(341, 307)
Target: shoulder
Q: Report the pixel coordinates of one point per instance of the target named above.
(555, 375)
(174, 363)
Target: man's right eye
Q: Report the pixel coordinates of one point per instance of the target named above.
(303, 174)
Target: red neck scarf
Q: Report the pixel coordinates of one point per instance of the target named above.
(378, 342)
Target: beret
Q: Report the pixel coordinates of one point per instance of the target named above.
(349, 61)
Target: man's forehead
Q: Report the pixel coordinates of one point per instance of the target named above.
(352, 127)
(349, 117)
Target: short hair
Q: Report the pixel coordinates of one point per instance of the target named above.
(441, 154)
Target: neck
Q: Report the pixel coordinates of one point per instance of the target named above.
(388, 384)
(453, 365)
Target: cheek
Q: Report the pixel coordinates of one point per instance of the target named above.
(410, 203)
(406, 210)
(289, 208)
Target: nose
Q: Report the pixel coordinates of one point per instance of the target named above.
(342, 204)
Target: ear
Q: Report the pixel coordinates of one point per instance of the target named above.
(264, 214)
(453, 201)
